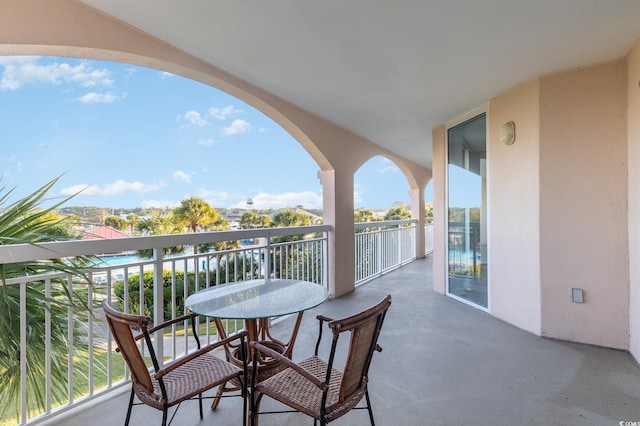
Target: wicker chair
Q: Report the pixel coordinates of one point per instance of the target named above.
(313, 386)
(186, 378)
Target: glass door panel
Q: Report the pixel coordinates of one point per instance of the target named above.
(467, 219)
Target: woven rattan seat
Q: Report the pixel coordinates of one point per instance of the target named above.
(313, 386)
(183, 379)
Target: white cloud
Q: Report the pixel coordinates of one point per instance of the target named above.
(266, 200)
(22, 71)
(98, 98)
(205, 142)
(215, 198)
(388, 166)
(194, 118)
(118, 187)
(237, 127)
(181, 176)
(17, 164)
(16, 60)
(388, 169)
(224, 113)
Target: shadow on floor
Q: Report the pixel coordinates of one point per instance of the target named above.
(443, 363)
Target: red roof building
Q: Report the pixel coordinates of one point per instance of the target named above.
(104, 232)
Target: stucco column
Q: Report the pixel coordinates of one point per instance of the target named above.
(439, 211)
(337, 211)
(417, 212)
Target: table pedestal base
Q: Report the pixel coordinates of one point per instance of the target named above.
(258, 330)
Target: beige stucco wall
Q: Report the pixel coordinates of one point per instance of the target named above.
(633, 119)
(439, 210)
(514, 215)
(558, 205)
(583, 205)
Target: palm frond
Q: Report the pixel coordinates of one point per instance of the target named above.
(26, 221)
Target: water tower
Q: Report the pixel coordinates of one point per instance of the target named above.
(249, 204)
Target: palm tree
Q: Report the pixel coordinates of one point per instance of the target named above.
(25, 222)
(132, 220)
(363, 215)
(158, 225)
(399, 211)
(116, 222)
(264, 221)
(195, 212)
(290, 217)
(249, 219)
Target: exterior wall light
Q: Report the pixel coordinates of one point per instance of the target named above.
(508, 133)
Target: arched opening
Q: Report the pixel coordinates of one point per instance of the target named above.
(138, 137)
(379, 184)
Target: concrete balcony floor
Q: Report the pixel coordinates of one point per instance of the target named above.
(443, 363)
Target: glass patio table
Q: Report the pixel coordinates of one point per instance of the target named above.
(257, 302)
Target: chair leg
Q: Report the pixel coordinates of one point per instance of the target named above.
(366, 395)
(216, 399)
(244, 394)
(164, 415)
(126, 422)
(200, 404)
(254, 408)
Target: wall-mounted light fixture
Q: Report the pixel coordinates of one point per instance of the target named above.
(508, 133)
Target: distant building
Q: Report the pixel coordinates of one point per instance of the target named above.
(104, 232)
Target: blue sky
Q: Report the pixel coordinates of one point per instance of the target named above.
(130, 136)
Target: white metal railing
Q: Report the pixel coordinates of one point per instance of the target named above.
(428, 238)
(157, 287)
(383, 246)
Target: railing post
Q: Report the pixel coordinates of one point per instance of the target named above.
(379, 251)
(400, 243)
(23, 352)
(47, 345)
(325, 260)
(267, 257)
(158, 301)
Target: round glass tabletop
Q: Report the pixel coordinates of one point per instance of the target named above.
(257, 299)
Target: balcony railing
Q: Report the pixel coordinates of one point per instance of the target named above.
(158, 287)
(383, 246)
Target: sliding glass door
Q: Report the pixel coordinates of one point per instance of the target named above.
(467, 219)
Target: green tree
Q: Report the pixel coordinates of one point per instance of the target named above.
(62, 227)
(459, 214)
(132, 221)
(264, 221)
(249, 220)
(399, 211)
(194, 212)
(289, 217)
(428, 210)
(157, 224)
(364, 215)
(220, 224)
(116, 222)
(25, 222)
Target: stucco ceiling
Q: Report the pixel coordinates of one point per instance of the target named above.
(389, 71)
